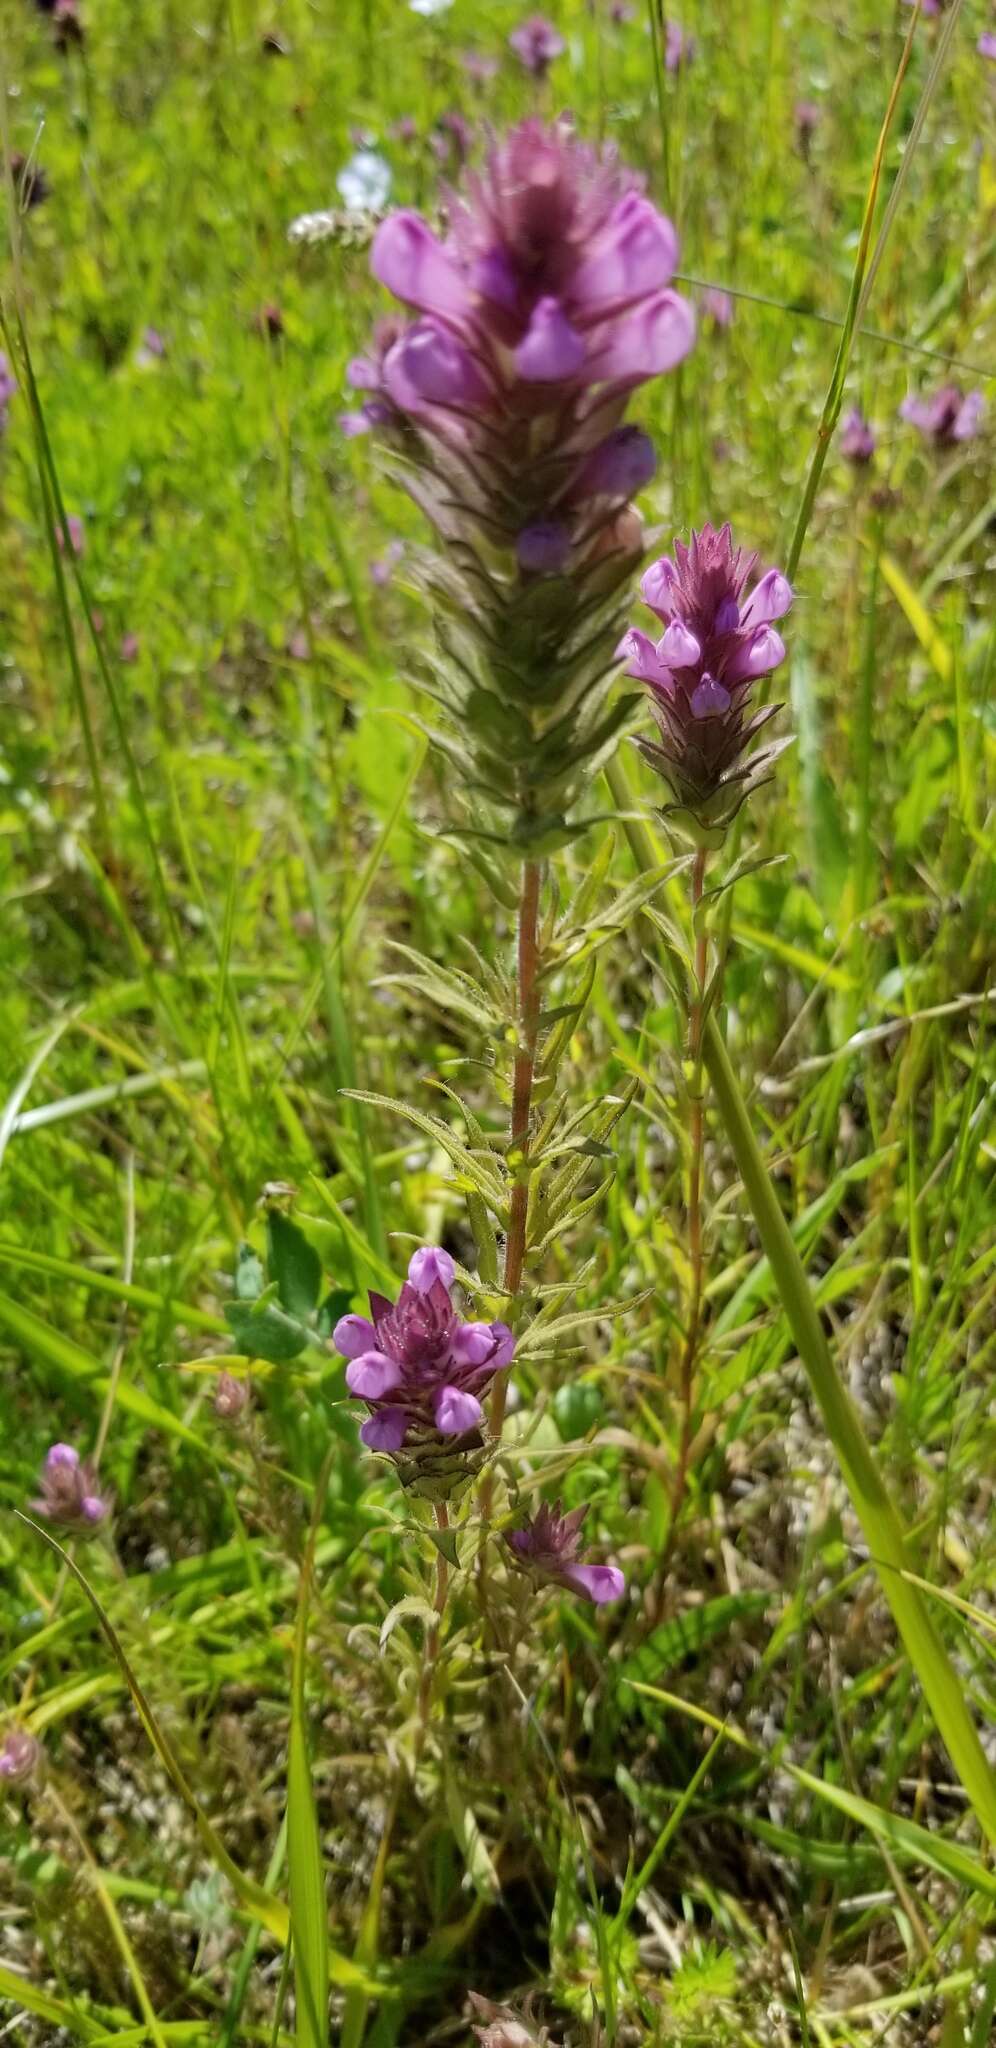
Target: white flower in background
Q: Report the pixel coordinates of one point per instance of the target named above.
(429, 6)
(365, 182)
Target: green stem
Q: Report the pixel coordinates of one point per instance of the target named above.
(883, 1529)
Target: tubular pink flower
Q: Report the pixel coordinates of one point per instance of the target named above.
(407, 257)
(638, 254)
(716, 644)
(548, 1545)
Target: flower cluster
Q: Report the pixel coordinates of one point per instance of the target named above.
(537, 43)
(8, 386)
(545, 307)
(549, 1546)
(950, 416)
(69, 1493)
(421, 1371)
(857, 437)
(716, 645)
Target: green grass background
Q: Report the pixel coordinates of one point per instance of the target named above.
(277, 801)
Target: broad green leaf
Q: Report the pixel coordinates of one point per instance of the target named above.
(266, 1332)
(294, 1264)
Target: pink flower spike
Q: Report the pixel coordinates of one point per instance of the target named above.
(427, 1266)
(353, 1335)
(595, 1582)
(771, 599)
(408, 259)
(385, 1431)
(678, 647)
(373, 1376)
(62, 1458)
(456, 1412)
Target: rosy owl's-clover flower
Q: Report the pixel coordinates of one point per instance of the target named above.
(950, 416)
(858, 439)
(504, 395)
(20, 1755)
(69, 1493)
(549, 1546)
(537, 43)
(231, 1397)
(716, 645)
(422, 1372)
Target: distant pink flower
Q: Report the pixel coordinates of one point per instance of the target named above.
(8, 386)
(858, 440)
(479, 67)
(19, 1757)
(986, 45)
(383, 566)
(77, 535)
(536, 44)
(620, 11)
(718, 305)
(69, 1493)
(151, 347)
(679, 47)
(549, 1545)
(807, 117)
(451, 139)
(948, 417)
(231, 1398)
(130, 647)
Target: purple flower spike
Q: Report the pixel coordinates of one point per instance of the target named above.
(548, 301)
(69, 1494)
(948, 417)
(857, 439)
(20, 1756)
(548, 1545)
(716, 644)
(423, 1376)
(986, 45)
(679, 47)
(536, 44)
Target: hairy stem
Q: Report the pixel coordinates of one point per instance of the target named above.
(693, 1323)
(434, 1634)
(522, 1095)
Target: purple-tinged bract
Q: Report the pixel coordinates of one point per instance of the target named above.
(69, 1493)
(717, 643)
(422, 1370)
(549, 1545)
(504, 393)
(948, 417)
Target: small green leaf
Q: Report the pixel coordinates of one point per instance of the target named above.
(445, 1542)
(333, 1307)
(294, 1265)
(266, 1333)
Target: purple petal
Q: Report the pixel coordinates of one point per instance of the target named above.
(373, 1375)
(429, 362)
(551, 349)
(455, 1411)
(619, 466)
(986, 45)
(595, 1582)
(637, 256)
(428, 1266)
(968, 417)
(353, 1335)
(93, 1509)
(727, 617)
(642, 660)
(352, 424)
(62, 1458)
(543, 548)
(408, 259)
(660, 588)
(709, 699)
(385, 1431)
(495, 278)
(678, 648)
(654, 338)
(771, 600)
(473, 1343)
(504, 1345)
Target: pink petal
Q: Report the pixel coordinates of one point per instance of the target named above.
(427, 1266)
(455, 1411)
(408, 259)
(551, 349)
(373, 1376)
(678, 648)
(660, 589)
(642, 660)
(353, 1335)
(656, 337)
(771, 600)
(638, 255)
(385, 1431)
(595, 1582)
